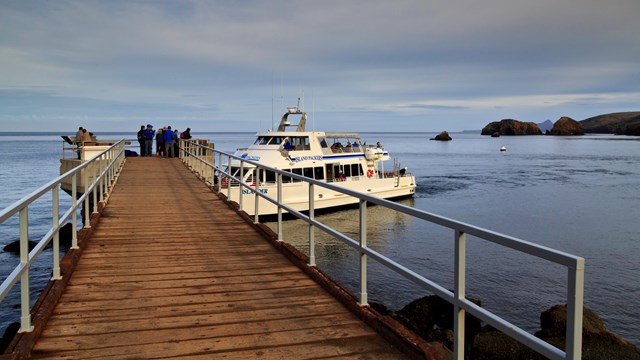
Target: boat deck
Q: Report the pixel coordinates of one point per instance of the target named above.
(172, 272)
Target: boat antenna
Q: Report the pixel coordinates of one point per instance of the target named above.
(313, 111)
(272, 102)
(298, 103)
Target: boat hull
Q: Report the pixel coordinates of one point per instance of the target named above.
(296, 195)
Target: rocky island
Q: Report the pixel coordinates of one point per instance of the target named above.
(622, 123)
(511, 127)
(566, 126)
(443, 136)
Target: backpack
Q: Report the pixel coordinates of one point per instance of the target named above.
(182, 135)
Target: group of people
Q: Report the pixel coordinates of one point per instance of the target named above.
(83, 136)
(166, 140)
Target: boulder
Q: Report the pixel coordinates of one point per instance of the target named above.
(443, 136)
(597, 341)
(14, 246)
(491, 344)
(432, 318)
(496, 134)
(566, 126)
(511, 127)
(64, 237)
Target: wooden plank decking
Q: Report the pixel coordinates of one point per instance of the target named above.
(172, 272)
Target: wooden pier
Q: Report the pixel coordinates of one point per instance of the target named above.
(170, 271)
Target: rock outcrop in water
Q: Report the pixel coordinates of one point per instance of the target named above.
(431, 318)
(443, 136)
(566, 126)
(64, 238)
(511, 127)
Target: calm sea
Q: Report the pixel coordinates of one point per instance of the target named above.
(576, 194)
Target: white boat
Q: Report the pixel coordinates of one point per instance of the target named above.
(338, 158)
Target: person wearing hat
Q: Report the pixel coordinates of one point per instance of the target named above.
(149, 134)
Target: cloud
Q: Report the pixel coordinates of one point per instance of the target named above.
(224, 60)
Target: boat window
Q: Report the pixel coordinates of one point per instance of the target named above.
(276, 140)
(270, 176)
(300, 143)
(347, 170)
(356, 170)
(285, 178)
(297, 171)
(330, 172)
(318, 173)
(262, 140)
(308, 172)
(323, 143)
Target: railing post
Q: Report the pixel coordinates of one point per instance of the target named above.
(213, 167)
(87, 219)
(229, 178)
(219, 172)
(256, 214)
(25, 314)
(94, 183)
(240, 188)
(74, 206)
(104, 174)
(279, 186)
(363, 256)
(312, 246)
(458, 312)
(55, 196)
(200, 163)
(575, 298)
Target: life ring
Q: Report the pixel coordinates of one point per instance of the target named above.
(369, 173)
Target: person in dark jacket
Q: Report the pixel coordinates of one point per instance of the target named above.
(187, 134)
(141, 140)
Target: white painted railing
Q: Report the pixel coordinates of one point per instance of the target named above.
(195, 156)
(96, 175)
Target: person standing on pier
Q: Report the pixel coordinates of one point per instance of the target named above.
(160, 142)
(168, 143)
(149, 134)
(78, 141)
(79, 135)
(141, 140)
(86, 137)
(187, 134)
(176, 148)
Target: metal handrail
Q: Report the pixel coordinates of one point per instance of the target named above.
(105, 167)
(190, 154)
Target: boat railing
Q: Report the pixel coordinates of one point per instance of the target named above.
(574, 265)
(104, 168)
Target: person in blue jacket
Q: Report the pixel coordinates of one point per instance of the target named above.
(149, 134)
(168, 143)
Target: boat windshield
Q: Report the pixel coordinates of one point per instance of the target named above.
(298, 142)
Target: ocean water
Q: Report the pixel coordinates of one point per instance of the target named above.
(574, 194)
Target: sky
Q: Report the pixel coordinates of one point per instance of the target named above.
(374, 65)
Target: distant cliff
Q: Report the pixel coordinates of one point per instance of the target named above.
(511, 127)
(624, 123)
(545, 126)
